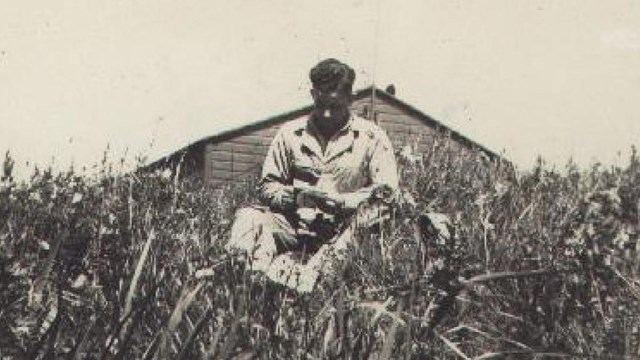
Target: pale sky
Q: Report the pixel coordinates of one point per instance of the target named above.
(523, 77)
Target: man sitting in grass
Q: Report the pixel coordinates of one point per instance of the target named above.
(321, 174)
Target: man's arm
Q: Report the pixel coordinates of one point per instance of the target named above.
(276, 187)
(383, 174)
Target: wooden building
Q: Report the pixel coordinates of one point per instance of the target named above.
(238, 153)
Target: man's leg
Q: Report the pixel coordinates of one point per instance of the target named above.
(328, 259)
(324, 262)
(261, 235)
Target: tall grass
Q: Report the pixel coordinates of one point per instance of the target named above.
(539, 264)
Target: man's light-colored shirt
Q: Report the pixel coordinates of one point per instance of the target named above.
(356, 160)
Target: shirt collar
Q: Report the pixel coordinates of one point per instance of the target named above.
(338, 144)
(313, 131)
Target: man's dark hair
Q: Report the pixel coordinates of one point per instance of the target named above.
(331, 74)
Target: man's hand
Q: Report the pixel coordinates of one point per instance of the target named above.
(288, 198)
(309, 197)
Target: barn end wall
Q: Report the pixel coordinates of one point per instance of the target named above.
(239, 156)
(405, 129)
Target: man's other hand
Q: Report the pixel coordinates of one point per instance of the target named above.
(288, 198)
(309, 197)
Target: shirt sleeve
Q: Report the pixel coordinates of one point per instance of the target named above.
(382, 171)
(276, 178)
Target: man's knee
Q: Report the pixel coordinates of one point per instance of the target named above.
(249, 224)
(250, 214)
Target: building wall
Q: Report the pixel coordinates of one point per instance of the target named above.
(405, 129)
(243, 155)
(237, 157)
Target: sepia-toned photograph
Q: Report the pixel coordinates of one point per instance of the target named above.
(319, 180)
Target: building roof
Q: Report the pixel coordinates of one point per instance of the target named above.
(360, 94)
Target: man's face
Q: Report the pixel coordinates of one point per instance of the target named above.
(331, 104)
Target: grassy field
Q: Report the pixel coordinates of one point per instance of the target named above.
(542, 264)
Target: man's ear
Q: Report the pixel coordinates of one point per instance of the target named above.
(349, 96)
(314, 93)
(347, 92)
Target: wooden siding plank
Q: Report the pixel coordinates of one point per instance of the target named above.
(242, 148)
(389, 128)
(401, 120)
(407, 133)
(244, 174)
(234, 175)
(420, 144)
(218, 155)
(412, 138)
(226, 176)
(412, 128)
(221, 173)
(234, 166)
(258, 140)
(382, 107)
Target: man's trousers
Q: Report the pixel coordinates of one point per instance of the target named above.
(268, 240)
